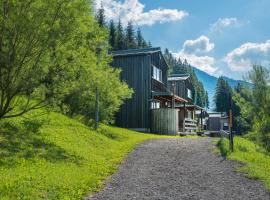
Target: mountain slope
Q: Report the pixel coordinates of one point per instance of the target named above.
(210, 82)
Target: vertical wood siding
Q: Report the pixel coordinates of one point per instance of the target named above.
(136, 72)
(180, 88)
(165, 121)
(214, 124)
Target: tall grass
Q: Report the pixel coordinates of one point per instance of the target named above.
(257, 163)
(55, 157)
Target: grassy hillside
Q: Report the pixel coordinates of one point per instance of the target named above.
(55, 157)
(257, 163)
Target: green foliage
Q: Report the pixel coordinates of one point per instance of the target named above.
(179, 67)
(254, 106)
(112, 34)
(223, 96)
(207, 104)
(223, 146)
(100, 17)
(29, 32)
(49, 56)
(130, 38)
(120, 37)
(141, 43)
(242, 110)
(257, 163)
(81, 101)
(50, 156)
(259, 76)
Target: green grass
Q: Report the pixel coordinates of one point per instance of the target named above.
(257, 164)
(55, 157)
(191, 136)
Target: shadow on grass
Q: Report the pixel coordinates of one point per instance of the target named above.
(24, 140)
(222, 146)
(111, 135)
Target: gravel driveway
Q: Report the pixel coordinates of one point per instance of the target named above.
(179, 169)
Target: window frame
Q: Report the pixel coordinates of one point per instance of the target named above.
(189, 93)
(155, 104)
(157, 74)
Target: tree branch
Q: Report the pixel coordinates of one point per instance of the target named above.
(35, 107)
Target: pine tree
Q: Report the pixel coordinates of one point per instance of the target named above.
(101, 19)
(223, 96)
(130, 40)
(206, 100)
(144, 44)
(139, 38)
(120, 37)
(112, 35)
(149, 44)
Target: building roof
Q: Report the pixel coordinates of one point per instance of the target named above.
(189, 106)
(136, 51)
(218, 114)
(178, 77)
(170, 95)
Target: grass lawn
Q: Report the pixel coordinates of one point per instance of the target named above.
(257, 164)
(55, 157)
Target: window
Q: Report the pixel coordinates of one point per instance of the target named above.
(189, 93)
(157, 74)
(190, 115)
(155, 105)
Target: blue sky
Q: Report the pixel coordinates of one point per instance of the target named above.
(219, 37)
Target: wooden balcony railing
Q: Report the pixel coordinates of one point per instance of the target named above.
(189, 125)
(158, 86)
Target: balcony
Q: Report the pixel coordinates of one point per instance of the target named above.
(158, 86)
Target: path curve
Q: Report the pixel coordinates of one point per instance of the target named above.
(170, 169)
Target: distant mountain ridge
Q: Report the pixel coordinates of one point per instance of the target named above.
(210, 82)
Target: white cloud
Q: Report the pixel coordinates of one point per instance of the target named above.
(194, 52)
(225, 23)
(204, 63)
(199, 45)
(133, 10)
(242, 58)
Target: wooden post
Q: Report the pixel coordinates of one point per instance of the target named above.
(97, 110)
(184, 123)
(173, 99)
(231, 131)
(201, 120)
(230, 124)
(98, 51)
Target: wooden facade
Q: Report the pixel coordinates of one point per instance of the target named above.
(181, 85)
(188, 121)
(218, 121)
(165, 121)
(146, 72)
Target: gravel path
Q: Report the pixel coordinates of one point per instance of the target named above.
(179, 169)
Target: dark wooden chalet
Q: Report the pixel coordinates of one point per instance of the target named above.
(181, 85)
(191, 118)
(146, 71)
(216, 122)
